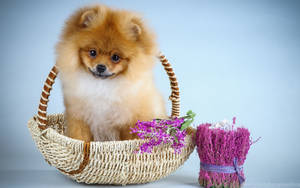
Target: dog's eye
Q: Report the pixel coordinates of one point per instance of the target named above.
(93, 53)
(115, 58)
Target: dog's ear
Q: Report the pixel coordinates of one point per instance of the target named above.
(87, 17)
(137, 31)
(135, 28)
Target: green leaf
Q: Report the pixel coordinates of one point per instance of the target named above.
(191, 114)
(176, 139)
(189, 118)
(186, 124)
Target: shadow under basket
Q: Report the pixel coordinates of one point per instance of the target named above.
(111, 162)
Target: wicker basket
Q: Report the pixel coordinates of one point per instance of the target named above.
(112, 162)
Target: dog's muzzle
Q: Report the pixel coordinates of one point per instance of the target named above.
(101, 71)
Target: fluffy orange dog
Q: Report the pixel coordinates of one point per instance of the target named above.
(105, 58)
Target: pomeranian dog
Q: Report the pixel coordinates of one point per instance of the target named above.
(105, 58)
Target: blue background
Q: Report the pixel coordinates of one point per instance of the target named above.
(232, 58)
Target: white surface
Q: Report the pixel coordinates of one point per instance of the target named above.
(184, 177)
(52, 178)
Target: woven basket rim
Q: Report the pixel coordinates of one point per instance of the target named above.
(115, 142)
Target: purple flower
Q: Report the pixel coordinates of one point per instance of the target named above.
(220, 147)
(158, 132)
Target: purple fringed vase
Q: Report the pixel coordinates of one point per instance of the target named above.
(222, 154)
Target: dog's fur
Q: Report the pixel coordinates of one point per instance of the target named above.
(104, 109)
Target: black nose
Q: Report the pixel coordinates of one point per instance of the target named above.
(101, 68)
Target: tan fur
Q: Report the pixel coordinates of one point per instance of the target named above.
(104, 109)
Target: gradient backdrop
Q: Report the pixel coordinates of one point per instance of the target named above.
(232, 58)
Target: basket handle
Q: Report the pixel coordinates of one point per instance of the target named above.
(42, 110)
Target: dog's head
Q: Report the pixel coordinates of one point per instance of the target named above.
(105, 41)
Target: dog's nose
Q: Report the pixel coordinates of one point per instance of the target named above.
(101, 68)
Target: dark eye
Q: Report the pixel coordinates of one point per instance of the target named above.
(93, 53)
(115, 58)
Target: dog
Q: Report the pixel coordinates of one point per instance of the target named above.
(105, 57)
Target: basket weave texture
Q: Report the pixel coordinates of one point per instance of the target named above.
(111, 162)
